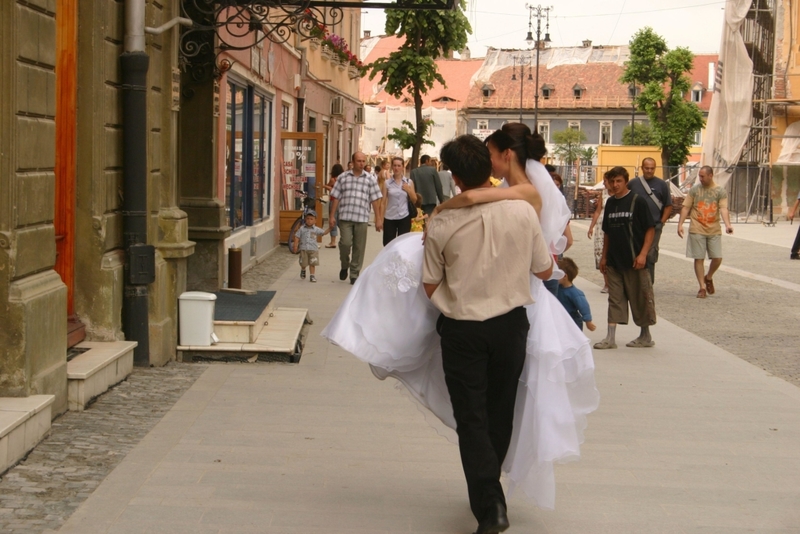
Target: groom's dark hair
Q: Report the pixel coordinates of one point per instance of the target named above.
(468, 159)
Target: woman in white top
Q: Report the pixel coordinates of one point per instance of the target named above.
(397, 191)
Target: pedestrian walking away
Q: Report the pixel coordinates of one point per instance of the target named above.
(658, 196)
(483, 324)
(704, 205)
(351, 197)
(795, 254)
(448, 185)
(387, 321)
(628, 230)
(427, 183)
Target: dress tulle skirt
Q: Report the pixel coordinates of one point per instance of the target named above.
(388, 322)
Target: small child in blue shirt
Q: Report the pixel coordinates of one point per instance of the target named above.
(572, 298)
(306, 240)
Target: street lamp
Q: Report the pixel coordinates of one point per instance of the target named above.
(521, 78)
(539, 12)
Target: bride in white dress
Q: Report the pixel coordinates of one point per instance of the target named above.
(388, 322)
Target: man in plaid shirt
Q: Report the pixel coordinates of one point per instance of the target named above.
(352, 195)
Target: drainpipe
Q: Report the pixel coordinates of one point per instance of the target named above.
(140, 257)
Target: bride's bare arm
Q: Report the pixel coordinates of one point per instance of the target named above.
(524, 192)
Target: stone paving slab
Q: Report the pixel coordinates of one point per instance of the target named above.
(42, 491)
(688, 438)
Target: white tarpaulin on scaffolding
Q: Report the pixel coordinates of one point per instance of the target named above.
(732, 104)
(790, 146)
(379, 121)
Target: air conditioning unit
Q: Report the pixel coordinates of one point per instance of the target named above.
(337, 105)
(360, 115)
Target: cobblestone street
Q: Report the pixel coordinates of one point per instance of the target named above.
(40, 493)
(754, 313)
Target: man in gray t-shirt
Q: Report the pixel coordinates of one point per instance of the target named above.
(660, 189)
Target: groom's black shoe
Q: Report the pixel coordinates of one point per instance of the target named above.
(343, 274)
(494, 520)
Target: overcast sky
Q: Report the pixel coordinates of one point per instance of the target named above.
(696, 24)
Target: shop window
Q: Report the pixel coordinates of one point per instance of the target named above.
(248, 119)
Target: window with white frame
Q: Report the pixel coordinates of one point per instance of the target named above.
(574, 125)
(605, 133)
(544, 130)
(698, 138)
(285, 111)
(697, 95)
(483, 124)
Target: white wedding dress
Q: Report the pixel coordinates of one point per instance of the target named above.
(388, 321)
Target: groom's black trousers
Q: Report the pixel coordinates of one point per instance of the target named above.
(482, 363)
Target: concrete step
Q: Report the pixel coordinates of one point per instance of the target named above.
(277, 341)
(103, 365)
(241, 331)
(24, 421)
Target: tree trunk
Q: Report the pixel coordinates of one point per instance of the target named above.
(420, 127)
(666, 154)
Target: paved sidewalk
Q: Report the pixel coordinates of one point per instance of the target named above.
(688, 438)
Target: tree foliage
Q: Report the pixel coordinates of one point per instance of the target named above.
(406, 136)
(642, 135)
(662, 74)
(411, 70)
(569, 145)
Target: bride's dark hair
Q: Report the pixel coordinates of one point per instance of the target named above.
(519, 138)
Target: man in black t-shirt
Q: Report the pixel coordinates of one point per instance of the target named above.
(628, 229)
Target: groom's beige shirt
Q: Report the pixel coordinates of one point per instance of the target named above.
(482, 257)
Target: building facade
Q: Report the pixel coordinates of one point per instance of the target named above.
(212, 158)
(579, 89)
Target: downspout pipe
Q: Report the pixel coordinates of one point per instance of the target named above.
(140, 257)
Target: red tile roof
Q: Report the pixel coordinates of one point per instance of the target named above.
(600, 79)
(456, 72)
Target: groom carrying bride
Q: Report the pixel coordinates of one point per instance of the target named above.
(476, 272)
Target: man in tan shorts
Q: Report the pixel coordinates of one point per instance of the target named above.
(704, 205)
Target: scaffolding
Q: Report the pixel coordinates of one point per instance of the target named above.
(751, 183)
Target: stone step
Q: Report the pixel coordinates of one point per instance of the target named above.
(242, 331)
(277, 341)
(24, 421)
(91, 374)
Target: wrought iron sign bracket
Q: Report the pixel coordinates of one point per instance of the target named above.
(222, 25)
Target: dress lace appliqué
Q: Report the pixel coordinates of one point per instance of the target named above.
(400, 274)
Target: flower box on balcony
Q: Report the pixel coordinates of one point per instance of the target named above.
(314, 42)
(353, 72)
(327, 53)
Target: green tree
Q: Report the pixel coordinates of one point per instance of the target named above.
(662, 74)
(569, 145)
(406, 136)
(642, 136)
(411, 70)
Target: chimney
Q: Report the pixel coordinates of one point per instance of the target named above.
(587, 43)
(367, 34)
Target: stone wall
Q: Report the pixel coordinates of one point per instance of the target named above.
(99, 224)
(32, 297)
